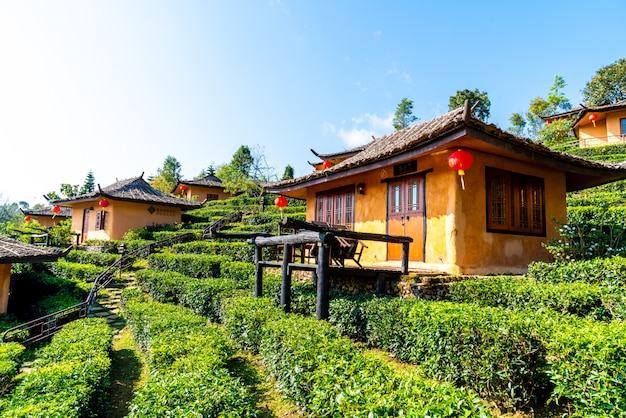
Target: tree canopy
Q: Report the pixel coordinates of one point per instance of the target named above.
(89, 185)
(404, 115)
(167, 176)
(531, 122)
(608, 86)
(481, 111)
(236, 176)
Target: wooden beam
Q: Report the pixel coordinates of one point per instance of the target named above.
(285, 286)
(258, 268)
(323, 282)
(365, 236)
(380, 283)
(299, 238)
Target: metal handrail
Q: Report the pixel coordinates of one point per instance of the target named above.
(48, 325)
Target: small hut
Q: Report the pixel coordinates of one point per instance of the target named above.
(13, 251)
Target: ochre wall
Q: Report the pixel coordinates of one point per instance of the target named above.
(122, 217)
(198, 193)
(613, 126)
(5, 280)
(457, 240)
(48, 221)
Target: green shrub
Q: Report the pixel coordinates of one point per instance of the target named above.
(587, 367)
(522, 293)
(245, 317)
(75, 271)
(72, 377)
(236, 250)
(10, 361)
(187, 358)
(109, 246)
(164, 287)
(603, 271)
(192, 265)
(89, 257)
(497, 353)
(239, 272)
(205, 296)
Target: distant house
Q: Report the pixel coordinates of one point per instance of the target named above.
(203, 189)
(46, 217)
(492, 219)
(12, 251)
(110, 212)
(599, 125)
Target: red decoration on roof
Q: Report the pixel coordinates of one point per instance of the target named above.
(26, 218)
(183, 187)
(593, 118)
(56, 209)
(461, 160)
(327, 164)
(103, 203)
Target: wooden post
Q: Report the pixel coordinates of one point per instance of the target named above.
(380, 283)
(285, 287)
(323, 282)
(258, 278)
(405, 257)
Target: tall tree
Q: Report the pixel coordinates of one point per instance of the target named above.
(483, 108)
(209, 171)
(288, 174)
(167, 176)
(556, 102)
(236, 175)
(89, 185)
(70, 190)
(608, 86)
(404, 114)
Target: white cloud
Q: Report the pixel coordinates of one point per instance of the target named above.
(364, 127)
(377, 34)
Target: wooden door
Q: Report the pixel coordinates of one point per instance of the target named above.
(405, 216)
(83, 237)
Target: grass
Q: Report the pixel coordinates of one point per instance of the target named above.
(128, 372)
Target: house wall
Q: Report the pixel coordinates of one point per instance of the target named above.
(122, 217)
(48, 221)
(593, 136)
(456, 219)
(5, 280)
(613, 126)
(199, 193)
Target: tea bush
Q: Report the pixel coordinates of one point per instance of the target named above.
(498, 354)
(187, 358)
(70, 379)
(89, 257)
(75, 271)
(192, 265)
(603, 271)
(10, 361)
(522, 293)
(237, 251)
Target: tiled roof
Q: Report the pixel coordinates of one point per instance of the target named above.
(600, 109)
(13, 251)
(420, 135)
(64, 213)
(133, 190)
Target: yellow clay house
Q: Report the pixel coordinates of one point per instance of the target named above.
(46, 217)
(203, 189)
(109, 212)
(492, 219)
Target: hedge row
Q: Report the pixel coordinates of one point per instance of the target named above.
(511, 357)
(192, 265)
(327, 375)
(603, 271)
(90, 257)
(187, 359)
(203, 296)
(70, 379)
(237, 250)
(10, 360)
(522, 293)
(75, 271)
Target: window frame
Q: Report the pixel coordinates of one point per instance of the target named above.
(336, 206)
(622, 127)
(515, 203)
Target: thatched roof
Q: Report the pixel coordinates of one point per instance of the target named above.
(64, 213)
(13, 251)
(206, 181)
(447, 130)
(132, 190)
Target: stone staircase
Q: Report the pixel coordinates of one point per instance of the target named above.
(108, 303)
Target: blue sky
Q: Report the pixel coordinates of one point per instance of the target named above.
(116, 86)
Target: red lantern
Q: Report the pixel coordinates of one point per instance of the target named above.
(461, 160)
(327, 164)
(593, 118)
(281, 202)
(183, 187)
(103, 203)
(56, 209)
(27, 219)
